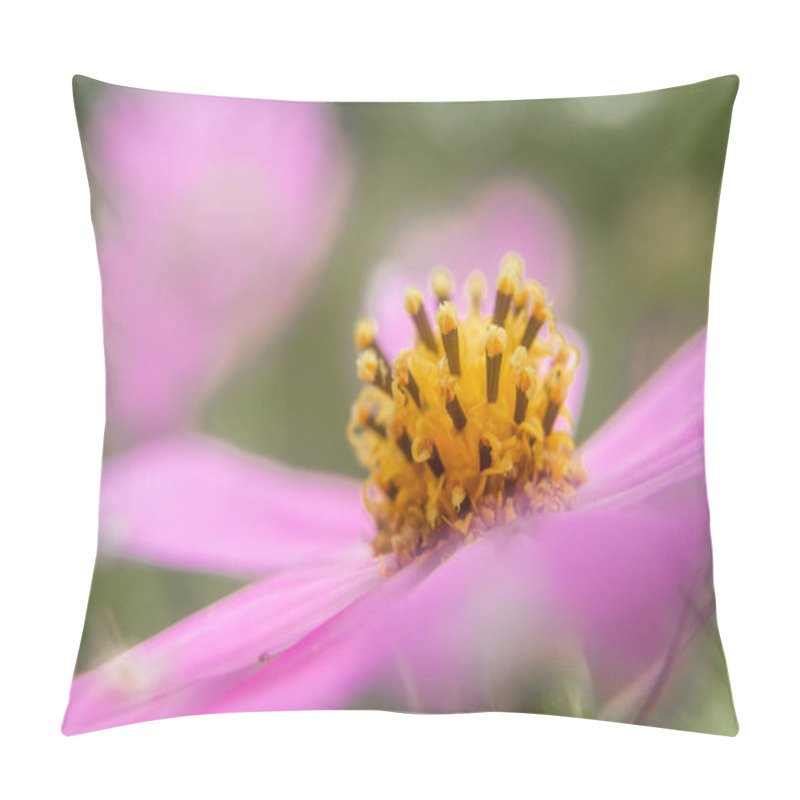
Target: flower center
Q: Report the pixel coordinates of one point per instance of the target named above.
(460, 431)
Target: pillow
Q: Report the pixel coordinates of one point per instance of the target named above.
(404, 407)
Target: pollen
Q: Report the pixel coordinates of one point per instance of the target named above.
(468, 427)
(442, 284)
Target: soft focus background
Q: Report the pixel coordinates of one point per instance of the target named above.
(633, 180)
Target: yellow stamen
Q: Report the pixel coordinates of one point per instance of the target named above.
(442, 284)
(459, 441)
(506, 286)
(447, 320)
(521, 298)
(495, 343)
(524, 378)
(452, 404)
(557, 386)
(476, 290)
(539, 314)
(460, 501)
(513, 262)
(364, 333)
(424, 451)
(415, 306)
(367, 366)
(405, 378)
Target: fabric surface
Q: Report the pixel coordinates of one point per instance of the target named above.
(404, 407)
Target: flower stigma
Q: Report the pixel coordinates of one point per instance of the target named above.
(459, 432)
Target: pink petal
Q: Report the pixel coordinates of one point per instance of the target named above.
(333, 666)
(195, 504)
(421, 642)
(629, 581)
(508, 216)
(604, 591)
(172, 673)
(212, 218)
(656, 438)
(609, 592)
(471, 637)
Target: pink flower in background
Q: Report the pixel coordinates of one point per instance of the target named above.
(606, 593)
(505, 216)
(213, 216)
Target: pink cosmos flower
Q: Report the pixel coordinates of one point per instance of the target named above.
(212, 216)
(592, 603)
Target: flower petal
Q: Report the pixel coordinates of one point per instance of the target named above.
(169, 674)
(332, 667)
(194, 504)
(629, 581)
(508, 622)
(212, 217)
(656, 439)
(507, 216)
(603, 594)
(585, 601)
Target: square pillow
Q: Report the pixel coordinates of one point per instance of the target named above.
(404, 407)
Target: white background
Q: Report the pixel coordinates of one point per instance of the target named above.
(52, 397)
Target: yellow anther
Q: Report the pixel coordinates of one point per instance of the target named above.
(457, 496)
(421, 449)
(495, 341)
(362, 412)
(532, 430)
(367, 366)
(515, 263)
(540, 313)
(415, 306)
(449, 389)
(404, 377)
(412, 300)
(538, 299)
(492, 441)
(523, 373)
(442, 283)
(566, 355)
(447, 317)
(508, 280)
(452, 404)
(371, 368)
(476, 290)
(557, 384)
(401, 366)
(507, 284)
(518, 360)
(364, 333)
(521, 297)
(447, 320)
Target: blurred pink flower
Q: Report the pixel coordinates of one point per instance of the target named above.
(212, 218)
(611, 589)
(505, 216)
